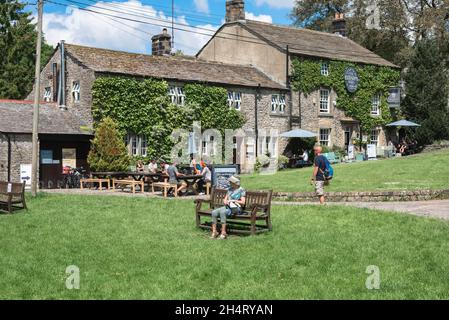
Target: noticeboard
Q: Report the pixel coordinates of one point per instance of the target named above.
(69, 157)
(372, 151)
(221, 174)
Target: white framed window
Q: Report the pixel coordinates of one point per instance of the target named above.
(324, 69)
(208, 146)
(76, 89)
(137, 144)
(177, 95)
(325, 135)
(274, 103)
(281, 103)
(375, 105)
(250, 150)
(235, 99)
(47, 94)
(375, 136)
(324, 101)
(143, 146)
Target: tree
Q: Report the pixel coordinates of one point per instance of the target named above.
(108, 151)
(18, 37)
(427, 91)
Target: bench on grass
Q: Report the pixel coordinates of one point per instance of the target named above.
(131, 182)
(11, 195)
(95, 180)
(257, 209)
(332, 157)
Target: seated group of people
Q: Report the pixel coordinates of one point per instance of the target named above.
(406, 146)
(171, 170)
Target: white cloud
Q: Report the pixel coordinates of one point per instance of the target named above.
(261, 17)
(202, 5)
(276, 3)
(85, 28)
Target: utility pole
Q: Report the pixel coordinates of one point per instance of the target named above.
(172, 24)
(35, 157)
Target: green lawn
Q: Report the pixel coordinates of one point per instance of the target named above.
(150, 249)
(423, 171)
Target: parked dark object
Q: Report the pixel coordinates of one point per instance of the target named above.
(73, 177)
(257, 208)
(11, 195)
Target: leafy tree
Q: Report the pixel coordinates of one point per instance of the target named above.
(426, 100)
(108, 151)
(18, 49)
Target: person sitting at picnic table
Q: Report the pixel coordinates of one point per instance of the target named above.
(140, 166)
(152, 166)
(304, 158)
(173, 174)
(207, 177)
(164, 167)
(233, 203)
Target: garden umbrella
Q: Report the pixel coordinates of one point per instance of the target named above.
(403, 123)
(299, 133)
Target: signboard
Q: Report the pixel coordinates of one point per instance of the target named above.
(47, 156)
(394, 97)
(351, 152)
(351, 80)
(25, 174)
(372, 151)
(69, 157)
(221, 174)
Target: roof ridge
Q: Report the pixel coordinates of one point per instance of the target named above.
(295, 28)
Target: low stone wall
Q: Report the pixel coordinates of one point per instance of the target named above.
(372, 196)
(435, 147)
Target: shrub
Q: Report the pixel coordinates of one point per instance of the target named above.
(282, 162)
(108, 151)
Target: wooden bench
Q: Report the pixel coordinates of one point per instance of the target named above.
(95, 180)
(257, 209)
(11, 195)
(132, 183)
(165, 186)
(332, 157)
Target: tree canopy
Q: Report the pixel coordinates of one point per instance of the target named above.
(18, 36)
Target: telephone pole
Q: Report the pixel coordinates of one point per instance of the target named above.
(37, 93)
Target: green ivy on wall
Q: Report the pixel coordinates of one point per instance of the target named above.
(372, 80)
(142, 106)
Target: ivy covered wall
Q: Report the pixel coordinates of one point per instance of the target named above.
(372, 80)
(142, 106)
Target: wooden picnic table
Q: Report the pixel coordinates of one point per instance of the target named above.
(191, 180)
(138, 176)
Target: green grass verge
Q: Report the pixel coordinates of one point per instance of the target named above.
(135, 248)
(423, 171)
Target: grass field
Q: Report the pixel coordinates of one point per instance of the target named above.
(423, 171)
(140, 248)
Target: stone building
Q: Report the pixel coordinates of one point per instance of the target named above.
(272, 48)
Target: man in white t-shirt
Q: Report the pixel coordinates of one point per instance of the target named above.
(152, 167)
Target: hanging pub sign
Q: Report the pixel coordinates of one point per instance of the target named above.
(351, 80)
(394, 97)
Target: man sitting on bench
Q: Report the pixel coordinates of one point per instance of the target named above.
(234, 201)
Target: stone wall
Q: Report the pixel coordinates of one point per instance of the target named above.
(74, 71)
(375, 196)
(21, 153)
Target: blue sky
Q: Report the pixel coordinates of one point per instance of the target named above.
(197, 18)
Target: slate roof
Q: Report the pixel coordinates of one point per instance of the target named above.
(16, 116)
(313, 43)
(180, 68)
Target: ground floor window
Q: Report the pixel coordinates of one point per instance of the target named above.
(325, 137)
(375, 136)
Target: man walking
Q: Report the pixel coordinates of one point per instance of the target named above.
(318, 173)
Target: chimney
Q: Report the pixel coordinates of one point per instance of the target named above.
(235, 10)
(161, 44)
(339, 24)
